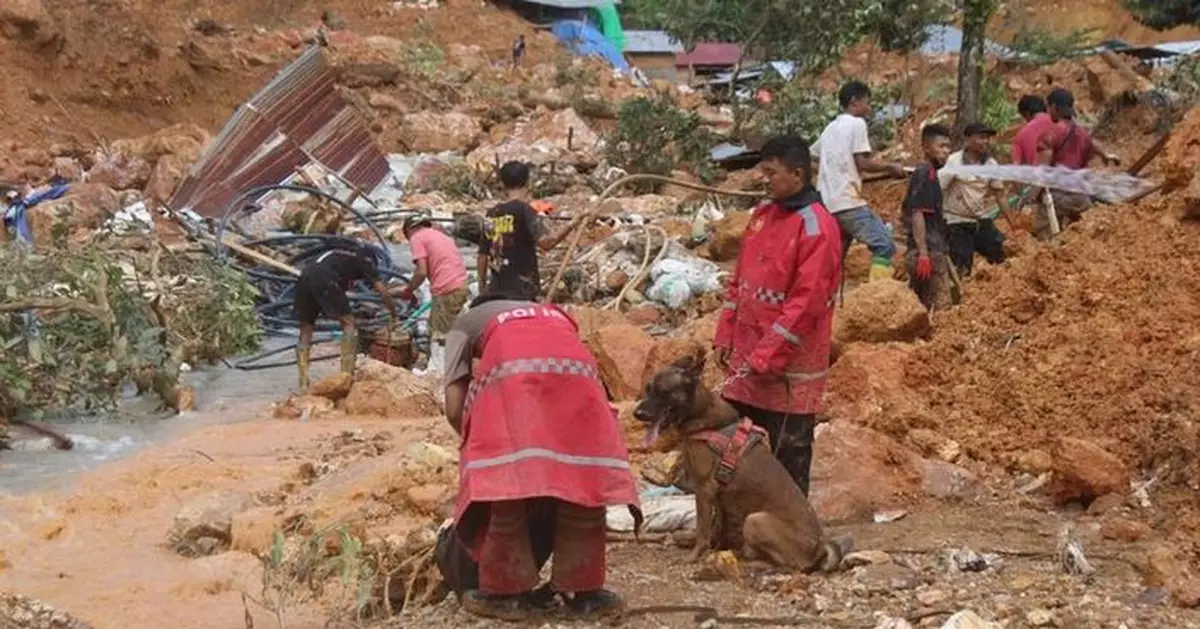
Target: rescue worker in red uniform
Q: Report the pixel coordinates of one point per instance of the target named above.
(774, 333)
(536, 427)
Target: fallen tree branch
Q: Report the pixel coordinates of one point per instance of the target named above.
(61, 441)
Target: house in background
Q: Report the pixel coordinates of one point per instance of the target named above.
(709, 58)
(654, 53)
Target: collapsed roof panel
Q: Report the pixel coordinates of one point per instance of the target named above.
(297, 119)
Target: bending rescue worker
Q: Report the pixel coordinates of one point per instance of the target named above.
(774, 334)
(536, 426)
(322, 288)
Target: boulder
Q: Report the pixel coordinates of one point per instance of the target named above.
(1122, 530)
(185, 141)
(253, 531)
(67, 168)
(28, 20)
(393, 392)
(334, 387)
(75, 216)
(27, 613)
(879, 312)
(857, 471)
(205, 526)
(646, 314)
(620, 352)
(1083, 471)
(560, 137)
(967, 619)
(303, 406)
(867, 386)
(120, 170)
(166, 175)
(429, 132)
(1165, 568)
(430, 499)
(725, 239)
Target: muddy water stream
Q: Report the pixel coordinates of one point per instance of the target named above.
(224, 395)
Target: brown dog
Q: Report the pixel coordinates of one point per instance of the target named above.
(745, 499)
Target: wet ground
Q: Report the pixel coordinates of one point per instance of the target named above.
(96, 546)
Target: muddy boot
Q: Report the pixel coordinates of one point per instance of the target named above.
(302, 359)
(510, 607)
(544, 599)
(596, 604)
(349, 352)
(881, 269)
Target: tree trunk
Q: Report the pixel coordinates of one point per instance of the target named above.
(970, 61)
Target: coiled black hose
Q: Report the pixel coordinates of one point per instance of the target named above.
(275, 306)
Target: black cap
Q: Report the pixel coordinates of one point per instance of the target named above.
(978, 128)
(1063, 100)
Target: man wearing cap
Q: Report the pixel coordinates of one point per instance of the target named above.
(437, 259)
(1065, 143)
(969, 201)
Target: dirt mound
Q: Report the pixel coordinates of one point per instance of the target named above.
(27, 613)
(879, 312)
(381, 389)
(1094, 338)
(1180, 160)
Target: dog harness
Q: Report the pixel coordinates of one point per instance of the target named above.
(731, 444)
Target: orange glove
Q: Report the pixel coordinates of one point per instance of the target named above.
(924, 268)
(542, 207)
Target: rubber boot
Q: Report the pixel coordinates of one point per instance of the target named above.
(302, 359)
(881, 269)
(596, 604)
(349, 352)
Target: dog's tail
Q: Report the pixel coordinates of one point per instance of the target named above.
(832, 552)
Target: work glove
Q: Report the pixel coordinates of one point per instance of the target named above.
(924, 268)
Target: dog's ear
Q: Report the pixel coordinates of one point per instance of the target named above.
(685, 363)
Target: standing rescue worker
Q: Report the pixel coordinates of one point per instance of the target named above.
(322, 288)
(525, 395)
(925, 225)
(773, 334)
(437, 259)
(1064, 143)
(968, 202)
(508, 253)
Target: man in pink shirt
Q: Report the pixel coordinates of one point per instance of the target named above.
(1024, 145)
(437, 259)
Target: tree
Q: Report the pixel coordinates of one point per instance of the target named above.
(1162, 15)
(976, 14)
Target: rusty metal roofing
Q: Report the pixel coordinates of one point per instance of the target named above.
(297, 119)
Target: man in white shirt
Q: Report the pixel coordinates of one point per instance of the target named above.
(969, 201)
(844, 152)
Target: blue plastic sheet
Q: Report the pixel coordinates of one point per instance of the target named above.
(586, 40)
(15, 215)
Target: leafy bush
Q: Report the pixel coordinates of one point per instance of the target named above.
(997, 109)
(1042, 46)
(79, 324)
(653, 136)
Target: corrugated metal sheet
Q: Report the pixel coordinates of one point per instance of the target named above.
(298, 118)
(649, 42)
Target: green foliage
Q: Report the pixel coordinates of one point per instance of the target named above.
(997, 109)
(1164, 14)
(811, 34)
(899, 25)
(1184, 79)
(1041, 46)
(83, 322)
(654, 136)
(299, 572)
(798, 111)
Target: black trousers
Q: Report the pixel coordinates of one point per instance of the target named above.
(967, 239)
(791, 439)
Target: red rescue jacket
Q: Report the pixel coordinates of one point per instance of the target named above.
(537, 423)
(778, 314)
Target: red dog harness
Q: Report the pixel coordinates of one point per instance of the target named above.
(731, 444)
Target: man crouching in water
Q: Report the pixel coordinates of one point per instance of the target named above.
(536, 426)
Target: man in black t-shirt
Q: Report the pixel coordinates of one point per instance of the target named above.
(508, 251)
(322, 288)
(925, 225)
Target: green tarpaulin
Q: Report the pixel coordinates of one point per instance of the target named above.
(610, 25)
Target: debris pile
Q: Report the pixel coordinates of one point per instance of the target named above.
(376, 388)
